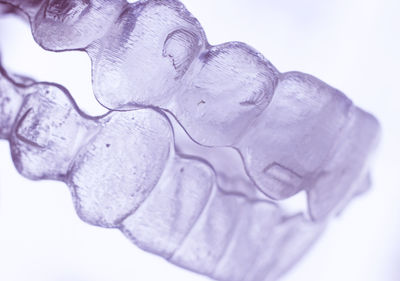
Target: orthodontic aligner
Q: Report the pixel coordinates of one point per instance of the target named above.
(287, 114)
(155, 53)
(179, 212)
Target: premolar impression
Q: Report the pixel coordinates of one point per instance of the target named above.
(124, 172)
(294, 133)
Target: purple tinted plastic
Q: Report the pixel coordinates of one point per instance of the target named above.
(293, 132)
(286, 126)
(124, 172)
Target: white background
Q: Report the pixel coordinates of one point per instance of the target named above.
(352, 45)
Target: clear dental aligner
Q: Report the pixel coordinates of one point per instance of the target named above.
(293, 131)
(123, 171)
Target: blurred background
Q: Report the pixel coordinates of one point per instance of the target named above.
(352, 45)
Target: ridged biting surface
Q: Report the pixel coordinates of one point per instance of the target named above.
(293, 131)
(49, 123)
(137, 54)
(233, 86)
(154, 53)
(124, 172)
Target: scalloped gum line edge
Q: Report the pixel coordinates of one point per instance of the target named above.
(286, 109)
(195, 225)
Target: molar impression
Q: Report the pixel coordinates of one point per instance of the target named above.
(124, 172)
(293, 132)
